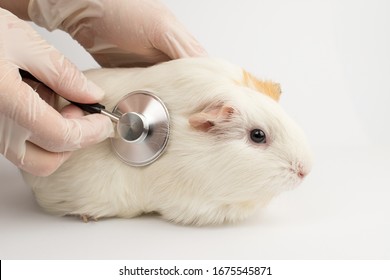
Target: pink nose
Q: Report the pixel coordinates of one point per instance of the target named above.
(300, 170)
(301, 174)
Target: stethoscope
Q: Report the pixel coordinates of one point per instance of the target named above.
(142, 123)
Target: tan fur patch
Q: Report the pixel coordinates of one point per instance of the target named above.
(267, 87)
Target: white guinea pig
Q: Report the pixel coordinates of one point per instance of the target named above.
(231, 150)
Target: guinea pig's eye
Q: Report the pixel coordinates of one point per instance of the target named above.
(258, 136)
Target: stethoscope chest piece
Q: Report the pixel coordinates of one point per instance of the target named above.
(142, 129)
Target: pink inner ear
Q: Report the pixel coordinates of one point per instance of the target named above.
(210, 117)
(199, 121)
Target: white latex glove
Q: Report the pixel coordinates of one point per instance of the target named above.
(33, 135)
(119, 32)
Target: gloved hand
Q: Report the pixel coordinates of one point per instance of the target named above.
(33, 135)
(119, 33)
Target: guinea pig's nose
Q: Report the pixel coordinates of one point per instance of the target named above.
(299, 169)
(301, 174)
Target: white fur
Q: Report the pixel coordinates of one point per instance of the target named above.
(203, 177)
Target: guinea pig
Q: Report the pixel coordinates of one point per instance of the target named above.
(231, 149)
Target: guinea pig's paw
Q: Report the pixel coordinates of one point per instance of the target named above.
(84, 217)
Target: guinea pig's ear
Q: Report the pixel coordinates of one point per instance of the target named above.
(210, 117)
(266, 87)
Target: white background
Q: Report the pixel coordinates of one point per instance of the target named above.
(332, 59)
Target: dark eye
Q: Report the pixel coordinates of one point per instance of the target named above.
(258, 136)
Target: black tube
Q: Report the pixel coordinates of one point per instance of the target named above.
(90, 108)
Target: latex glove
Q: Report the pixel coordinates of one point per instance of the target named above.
(119, 32)
(33, 135)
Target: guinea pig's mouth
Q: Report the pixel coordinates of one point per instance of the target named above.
(295, 177)
(296, 184)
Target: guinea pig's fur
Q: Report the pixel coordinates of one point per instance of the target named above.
(212, 172)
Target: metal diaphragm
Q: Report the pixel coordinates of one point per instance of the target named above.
(143, 128)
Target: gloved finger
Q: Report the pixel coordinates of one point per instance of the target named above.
(71, 112)
(40, 162)
(56, 133)
(26, 155)
(48, 65)
(44, 92)
(175, 41)
(65, 79)
(166, 46)
(53, 132)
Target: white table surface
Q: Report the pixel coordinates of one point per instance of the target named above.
(341, 211)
